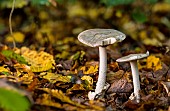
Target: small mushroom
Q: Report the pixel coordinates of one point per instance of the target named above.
(132, 58)
(100, 38)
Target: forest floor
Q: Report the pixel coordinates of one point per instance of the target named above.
(55, 71)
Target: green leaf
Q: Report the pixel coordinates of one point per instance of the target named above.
(5, 73)
(39, 2)
(13, 101)
(12, 55)
(150, 1)
(139, 16)
(116, 2)
(8, 3)
(167, 1)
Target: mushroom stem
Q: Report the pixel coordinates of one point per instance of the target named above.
(136, 82)
(102, 70)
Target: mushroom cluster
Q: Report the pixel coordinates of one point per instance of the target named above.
(102, 38)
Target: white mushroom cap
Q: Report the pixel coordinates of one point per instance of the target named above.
(132, 57)
(100, 37)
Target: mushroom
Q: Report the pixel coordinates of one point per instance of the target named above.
(132, 58)
(100, 38)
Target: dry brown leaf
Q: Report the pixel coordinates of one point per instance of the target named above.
(120, 86)
(166, 85)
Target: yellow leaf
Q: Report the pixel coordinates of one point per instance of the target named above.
(27, 76)
(2, 69)
(19, 37)
(153, 63)
(76, 10)
(161, 7)
(39, 61)
(44, 35)
(89, 83)
(43, 15)
(143, 34)
(46, 100)
(93, 13)
(88, 78)
(61, 96)
(91, 69)
(108, 12)
(52, 77)
(76, 87)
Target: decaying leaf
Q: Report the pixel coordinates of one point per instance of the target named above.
(39, 61)
(4, 70)
(88, 78)
(76, 87)
(79, 56)
(112, 76)
(52, 77)
(90, 70)
(61, 96)
(153, 63)
(88, 82)
(161, 7)
(120, 86)
(166, 86)
(24, 73)
(47, 101)
(154, 38)
(113, 66)
(45, 35)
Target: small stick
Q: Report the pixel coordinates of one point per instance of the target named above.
(10, 24)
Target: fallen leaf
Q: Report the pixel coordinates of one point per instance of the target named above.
(88, 82)
(47, 101)
(24, 73)
(19, 37)
(9, 54)
(166, 86)
(120, 86)
(153, 63)
(11, 100)
(161, 7)
(52, 77)
(76, 87)
(90, 70)
(39, 61)
(4, 70)
(61, 96)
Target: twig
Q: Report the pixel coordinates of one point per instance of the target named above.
(10, 24)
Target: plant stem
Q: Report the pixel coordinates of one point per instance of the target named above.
(10, 24)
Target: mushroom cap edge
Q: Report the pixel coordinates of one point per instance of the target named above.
(132, 57)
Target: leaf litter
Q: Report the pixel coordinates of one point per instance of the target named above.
(52, 68)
